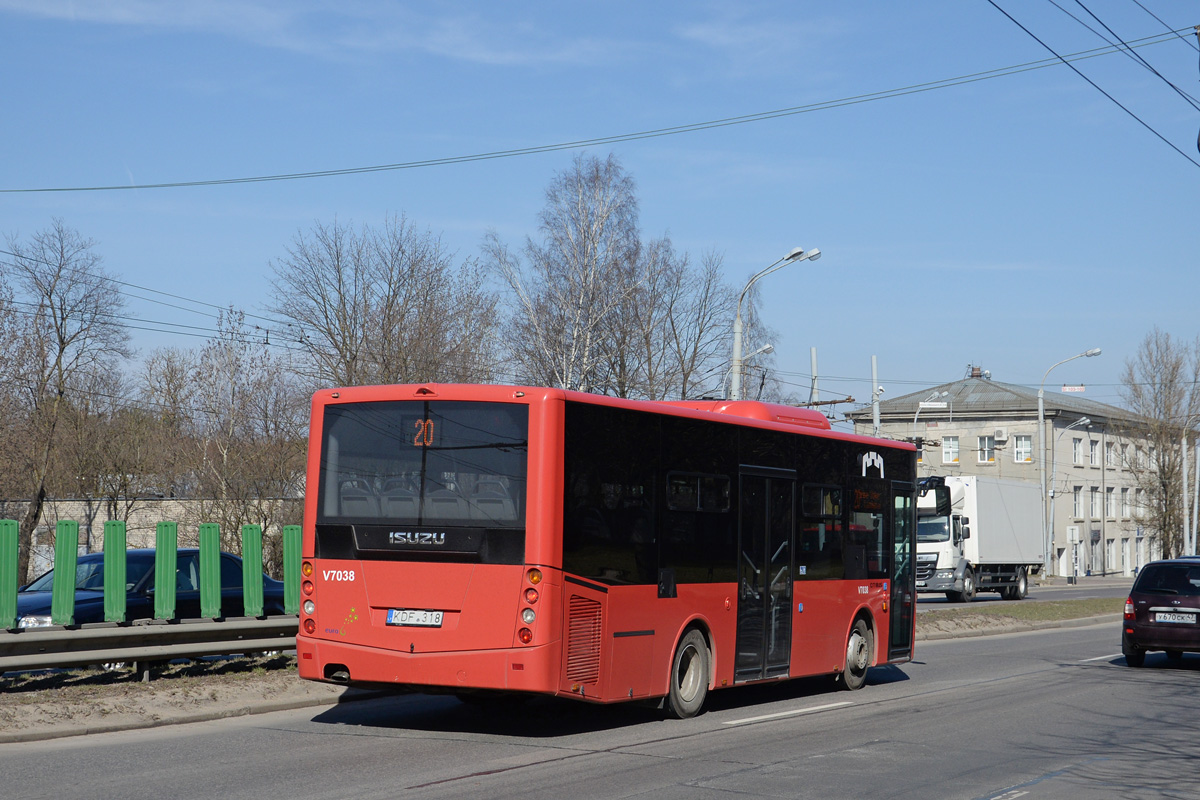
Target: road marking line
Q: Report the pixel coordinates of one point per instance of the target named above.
(1099, 658)
(782, 714)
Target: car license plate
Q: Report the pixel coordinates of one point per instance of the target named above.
(1168, 616)
(406, 616)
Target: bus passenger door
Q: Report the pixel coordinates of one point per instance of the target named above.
(903, 589)
(766, 514)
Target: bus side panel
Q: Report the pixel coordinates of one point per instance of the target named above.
(822, 618)
(544, 510)
(618, 644)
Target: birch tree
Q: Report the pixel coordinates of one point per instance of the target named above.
(566, 289)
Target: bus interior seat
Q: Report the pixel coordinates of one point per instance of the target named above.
(358, 500)
(490, 501)
(397, 500)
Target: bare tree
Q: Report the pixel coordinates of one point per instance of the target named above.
(384, 306)
(248, 433)
(73, 328)
(565, 294)
(698, 321)
(1161, 385)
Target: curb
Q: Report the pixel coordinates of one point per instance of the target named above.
(1081, 622)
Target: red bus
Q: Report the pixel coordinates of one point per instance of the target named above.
(499, 539)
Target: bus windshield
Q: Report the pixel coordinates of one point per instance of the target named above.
(933, 529)
(448, 463)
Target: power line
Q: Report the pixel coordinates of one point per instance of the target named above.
(1074, 69)
(628, 137)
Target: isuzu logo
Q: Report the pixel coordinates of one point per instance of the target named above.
(417, 537)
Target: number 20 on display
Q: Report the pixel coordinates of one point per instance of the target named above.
(424, 434)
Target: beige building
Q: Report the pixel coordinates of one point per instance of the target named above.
(979, 426)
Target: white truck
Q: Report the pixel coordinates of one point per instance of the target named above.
(978, 534)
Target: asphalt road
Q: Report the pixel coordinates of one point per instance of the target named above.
(1087, 587)
(1050, 714)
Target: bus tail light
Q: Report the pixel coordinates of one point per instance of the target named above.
(310, 607)
(307, 586)
(534, 575)
(310, 627)
(528, 616)
(306, 569)
(525, 635)
(531, 595)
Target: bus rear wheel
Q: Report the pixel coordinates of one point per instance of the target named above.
(858, 656)
(690, 670)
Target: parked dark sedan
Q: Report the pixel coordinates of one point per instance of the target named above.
(1163, 611)
(33, 601)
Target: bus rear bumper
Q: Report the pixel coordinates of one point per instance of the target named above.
(525, 669)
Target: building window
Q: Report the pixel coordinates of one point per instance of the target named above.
(1077, 502)
(949, 449)
(1023, 448)
(1110, 502)
(1125, 502)
(1125, 456)
(1140, 505)
(1094, 453)
(1077, 451)
(987, 449)
(1110, 454)
(1095, 502)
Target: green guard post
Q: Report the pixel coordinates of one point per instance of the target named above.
(66, 559)
(8, 574)
(210, 570)
(114, 571)
(166, 556)
(291, 569)
(252, 559)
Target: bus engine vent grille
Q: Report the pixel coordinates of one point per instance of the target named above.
(583, 642)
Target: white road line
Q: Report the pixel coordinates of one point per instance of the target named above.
(1100, 658)
(782, 714)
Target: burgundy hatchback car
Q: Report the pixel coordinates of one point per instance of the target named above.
(1163, 611)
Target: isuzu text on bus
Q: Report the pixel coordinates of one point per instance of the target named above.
(497, 539)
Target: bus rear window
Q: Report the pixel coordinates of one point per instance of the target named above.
(458, 464)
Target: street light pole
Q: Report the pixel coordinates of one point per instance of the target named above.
(1041, 397)
(797, 254)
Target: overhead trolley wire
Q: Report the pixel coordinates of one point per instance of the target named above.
(1094, 85)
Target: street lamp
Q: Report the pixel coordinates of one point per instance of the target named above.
(1079, 423)
(766, 348)
(797, 254)
(1095, 351)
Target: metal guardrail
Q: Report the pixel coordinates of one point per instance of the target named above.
(143, 642)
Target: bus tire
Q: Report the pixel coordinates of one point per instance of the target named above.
(858, 656)
(690, 671)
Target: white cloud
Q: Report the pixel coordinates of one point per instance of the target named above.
(337, 30)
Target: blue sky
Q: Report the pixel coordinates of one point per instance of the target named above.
(1008, 222)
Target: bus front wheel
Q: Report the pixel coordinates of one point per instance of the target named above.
(690, 669)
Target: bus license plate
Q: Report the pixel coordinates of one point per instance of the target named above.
(1168, 616)
(423, 619)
